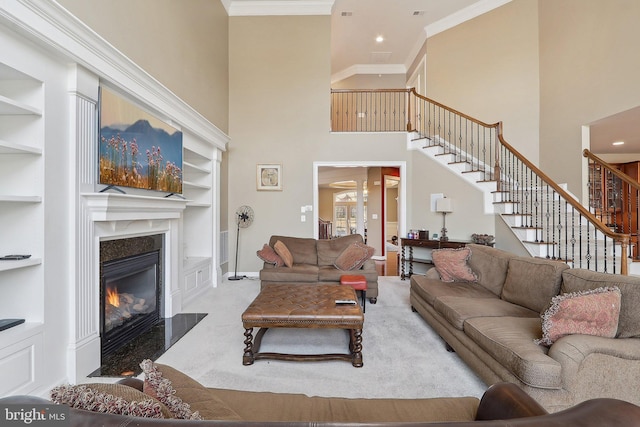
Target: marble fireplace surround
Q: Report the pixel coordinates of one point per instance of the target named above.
(110, 216)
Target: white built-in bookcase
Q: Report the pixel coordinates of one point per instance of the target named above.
(50, 68)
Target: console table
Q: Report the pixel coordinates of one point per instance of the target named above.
(421, 243)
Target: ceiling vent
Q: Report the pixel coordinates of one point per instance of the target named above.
(380, 57)
(346, 14)
(418, 12)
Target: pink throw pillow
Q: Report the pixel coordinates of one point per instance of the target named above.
(594, 312)
(284, 253)
(268, 255)
(353, 256)
(452, 265)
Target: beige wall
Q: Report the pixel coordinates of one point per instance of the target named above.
(183, 44)
(279, 82)
(589, 68)
(488, 69)
(325, 203)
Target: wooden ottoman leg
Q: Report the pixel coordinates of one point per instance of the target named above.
(364, 299)
(356, 348)
(247, 357)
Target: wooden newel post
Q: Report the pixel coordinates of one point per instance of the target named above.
(624, 264)
(409, 127)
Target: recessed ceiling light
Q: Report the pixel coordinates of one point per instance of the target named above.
(618, 143)
(379, 39)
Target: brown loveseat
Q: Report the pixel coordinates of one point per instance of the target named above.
(502, 405)
(492, 325)
(313, 262)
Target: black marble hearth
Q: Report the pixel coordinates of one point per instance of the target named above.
(150, 345)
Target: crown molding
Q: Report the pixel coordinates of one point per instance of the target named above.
(53, 27)
(368, 69)
(277, 8)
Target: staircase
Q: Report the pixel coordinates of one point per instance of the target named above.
(548, 220)
(546, 224)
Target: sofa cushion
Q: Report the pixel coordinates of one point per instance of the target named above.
(459, 309)
(110, 399)
(184, 394)
(297, 273)
(268, 255)
(509, 340)
(577, 279)
(289, 407)
(593, 312)
(490, 266)
(329, 250)
(284, 253)
(532, 282)
(353, 257)
(452, 265)
(303, 249)
(429, 288)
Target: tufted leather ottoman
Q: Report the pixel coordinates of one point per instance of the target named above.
(303, 306)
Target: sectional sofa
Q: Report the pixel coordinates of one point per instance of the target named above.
(493, 324)
(314, 262)
(171, 393)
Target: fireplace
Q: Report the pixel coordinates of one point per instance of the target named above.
(130, 290)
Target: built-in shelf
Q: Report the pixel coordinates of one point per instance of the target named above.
(12, 107)
(11, 148)
(20, 199)
(7, 265)
(189, 184)
(195, 168)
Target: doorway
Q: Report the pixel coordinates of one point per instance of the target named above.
(370, 216)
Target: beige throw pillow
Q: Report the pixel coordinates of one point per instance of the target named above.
(283, 252)
(185, 395)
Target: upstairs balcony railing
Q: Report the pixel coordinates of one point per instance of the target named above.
(614, 198)
(549, 220)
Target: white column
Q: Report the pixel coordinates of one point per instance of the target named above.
(360, 208)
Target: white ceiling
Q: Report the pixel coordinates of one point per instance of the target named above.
(355, 51)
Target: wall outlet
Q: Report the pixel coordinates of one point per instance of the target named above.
(303, 218)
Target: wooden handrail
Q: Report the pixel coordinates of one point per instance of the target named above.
(623, 176)
(620, 237)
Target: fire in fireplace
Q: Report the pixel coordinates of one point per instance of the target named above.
(130, 296)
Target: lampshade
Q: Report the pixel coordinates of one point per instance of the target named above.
(444, 205)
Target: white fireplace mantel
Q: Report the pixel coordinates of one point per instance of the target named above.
(125, 207)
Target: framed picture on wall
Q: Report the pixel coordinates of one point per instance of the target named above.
(269, 177)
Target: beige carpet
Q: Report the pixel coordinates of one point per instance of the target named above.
(403, 357)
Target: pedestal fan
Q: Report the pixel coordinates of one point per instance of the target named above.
(244, 218)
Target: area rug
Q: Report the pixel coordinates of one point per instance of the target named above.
(403, 356)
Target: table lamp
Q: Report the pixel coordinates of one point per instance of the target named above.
(444, 206)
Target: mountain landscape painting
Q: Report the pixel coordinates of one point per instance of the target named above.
(136, 149)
